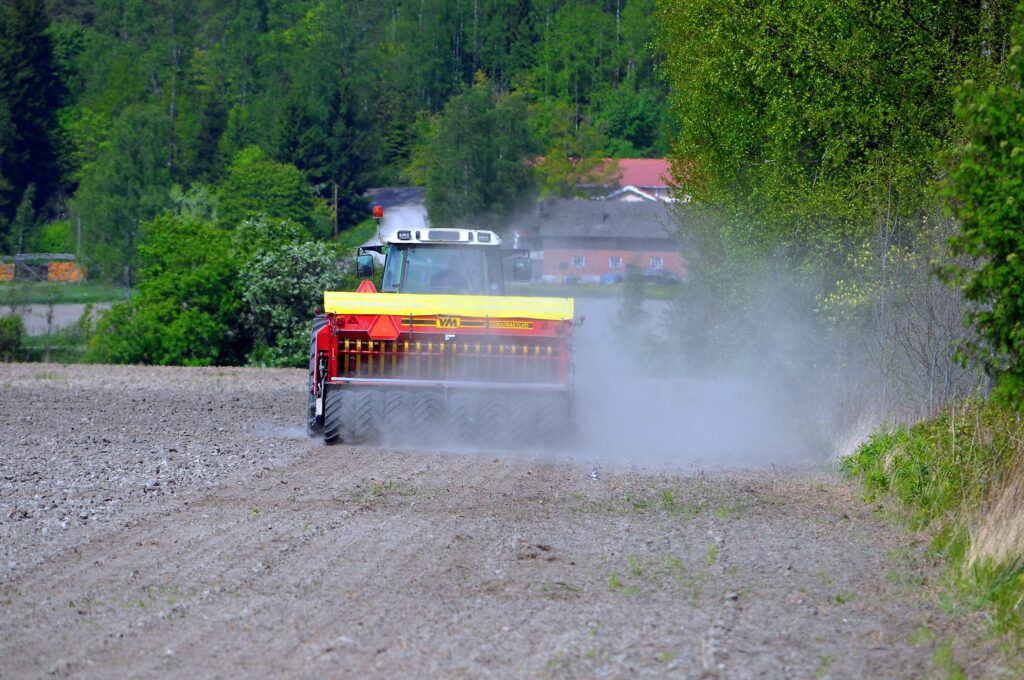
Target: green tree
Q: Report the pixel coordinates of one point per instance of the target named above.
(280, 287)
(988, 192)
(321, 137)
(817, 126)
(578, 54)
(32, 94)
(128, 184)
(632, 122)
(185, 311)
(256, 184)
(24, 220)
(7, 161)
(12, 337)
(261, 234)
(477, 168)
(573, 157)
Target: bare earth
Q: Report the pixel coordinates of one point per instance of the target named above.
(177, 523)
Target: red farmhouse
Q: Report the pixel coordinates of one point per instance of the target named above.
(587, 240)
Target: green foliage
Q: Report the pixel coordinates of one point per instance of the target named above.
(947, 472)
(256, 185)
(54, 237)
(988, 199)
(128, 184)
(573, 151)
(208, 296)
(632, 122)
(280, 288)
(814, 140)
(816, 126)
(185, 310)
(261, 234)
(32, 93)
(317, 130)
(353, 237)
(12, 332)
(477, 169)
(936, 467)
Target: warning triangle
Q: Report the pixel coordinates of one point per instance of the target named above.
(384, 328)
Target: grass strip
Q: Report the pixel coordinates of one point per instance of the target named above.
(960, 476)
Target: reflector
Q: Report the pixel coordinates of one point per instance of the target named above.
(383, 328)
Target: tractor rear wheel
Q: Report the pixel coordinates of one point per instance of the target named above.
(553, 419)
(360, 416)
(333, 405)
(522, 419)
(464, 416)
(427, 418)
(397, 414)
(492, 416)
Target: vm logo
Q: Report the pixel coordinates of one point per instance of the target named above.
(448, 322)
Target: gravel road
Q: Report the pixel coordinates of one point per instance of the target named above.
(44, 319)
(169, 522)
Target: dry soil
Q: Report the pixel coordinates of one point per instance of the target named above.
(169, 522)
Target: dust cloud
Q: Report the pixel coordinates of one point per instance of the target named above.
(641, 399)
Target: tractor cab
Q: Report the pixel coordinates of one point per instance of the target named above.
(445, 262)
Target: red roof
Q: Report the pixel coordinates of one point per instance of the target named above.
(644, 172)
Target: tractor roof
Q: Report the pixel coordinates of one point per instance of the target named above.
(474, 237)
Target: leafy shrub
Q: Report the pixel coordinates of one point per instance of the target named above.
(184, 311)
(12, 334)
(987, 190)
(257, 185)
(261, 233)
(958, 474)
(280, 288)
(940, 466)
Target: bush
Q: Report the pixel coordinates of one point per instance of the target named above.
(185, 311)
(987, 189)
(280, 288)
(12, 335)
(960, 475)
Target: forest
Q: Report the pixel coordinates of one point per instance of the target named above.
(114, 112)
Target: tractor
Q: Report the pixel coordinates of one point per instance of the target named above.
(440, 355)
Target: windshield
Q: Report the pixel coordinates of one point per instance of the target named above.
(443, 270)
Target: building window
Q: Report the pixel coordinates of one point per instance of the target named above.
(655, 262)
(614, 262)
(579, 261)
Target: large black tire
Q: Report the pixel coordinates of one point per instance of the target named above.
(492, 418)
(522, 420)
(314, 424)
(333, 406)
(397, 411)
(554, 423)
(427, 421)
(360, 416)
(464, 417)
